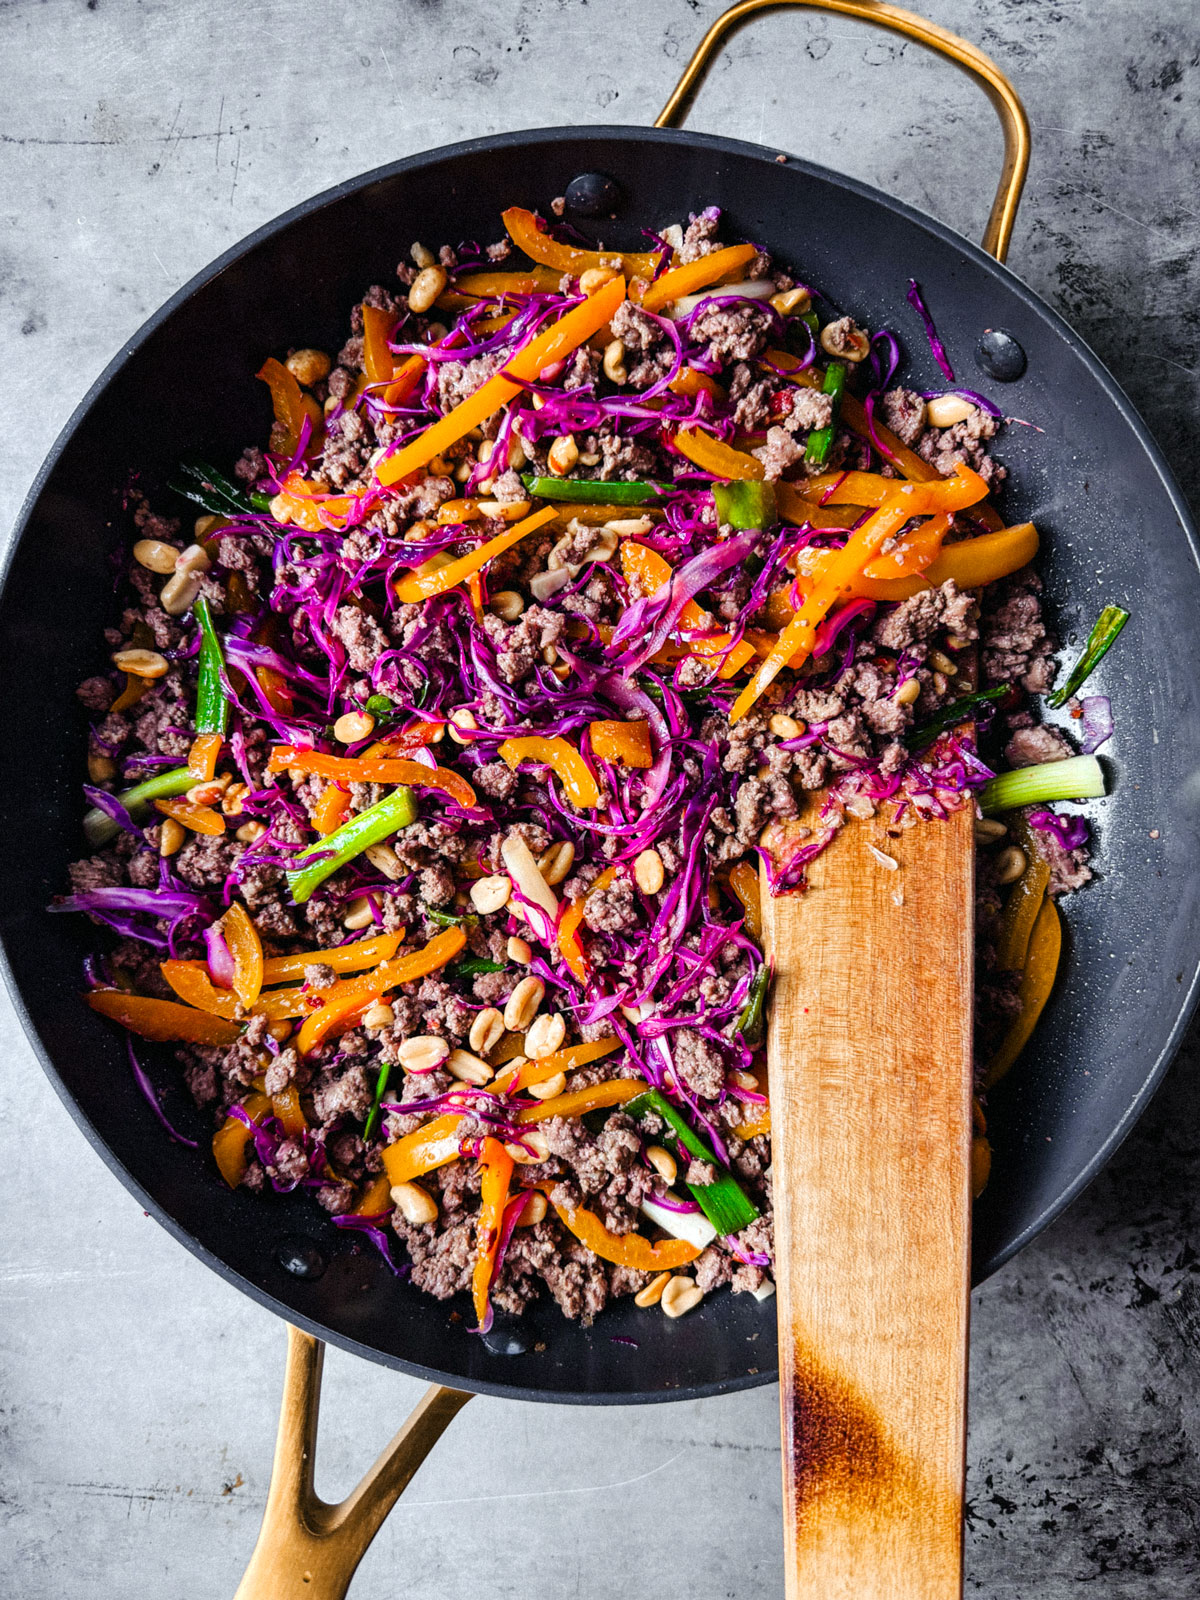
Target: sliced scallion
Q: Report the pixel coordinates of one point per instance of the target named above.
(1077, 778)
(372, 826)
(724, 1202)
(1101, 639)
(590, 491)
(949, 715)
(99, 828)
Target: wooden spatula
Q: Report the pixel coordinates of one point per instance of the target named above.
(870, 1053)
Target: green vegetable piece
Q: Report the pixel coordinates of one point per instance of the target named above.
(204, 486)
(99, 828)
(1077, 778)
(472, 966)
(381, 1083)
(372, 826)
(752, 1015)
(212, 703)
(746, 503)
(448, 919)
(949, 715)
(820, 440)
(586, 491)
(260, 500)
(811, 321)
(379, 706)
(725, 1203)
(1101, 639)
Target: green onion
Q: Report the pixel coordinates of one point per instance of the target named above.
(450, 919)
(820, 440)
(589, 491)
(260, 500)
(1077, 778)
(1101, 639)
(381, 1083)
(472, 966)
(724, 1202)
(206, 487)
(949, 715)
(379, 706)
(746, 503)
(372, 826)
(99, 828)
(811, 321)
(750, 1017)
(212, 703)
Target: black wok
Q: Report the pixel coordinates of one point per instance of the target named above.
(1115, 529)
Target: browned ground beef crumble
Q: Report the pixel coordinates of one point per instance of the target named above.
(851, 693)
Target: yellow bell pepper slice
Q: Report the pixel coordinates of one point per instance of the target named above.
(428, 579)
(538, 246)
(625, 1249)
(497, 1169)
(567, 763)
(559, 340)
(1025, 899)
(161, 1020)
(342, 958)
(715, 456)
(232, 1137)
(578, 1101)
(347, 999)
(419, 1152)
(696, 275)
(1037, 980)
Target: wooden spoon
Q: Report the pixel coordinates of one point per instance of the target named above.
(870, 1051)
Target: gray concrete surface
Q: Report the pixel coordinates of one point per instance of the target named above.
(138, 1393)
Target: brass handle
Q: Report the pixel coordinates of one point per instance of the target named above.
(308, 1549)
(963, 54)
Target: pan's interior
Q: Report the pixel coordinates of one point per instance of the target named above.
(1086, 474)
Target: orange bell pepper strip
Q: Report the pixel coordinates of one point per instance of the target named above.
(203, 756)
(576, 1102)
(495, 285)
(513, 1079)
(908, 500)
(1023, 904)
(246, 948)
(913, 466)
(310, 507)
(556, 342)
(625, 1249)
(972, 564)
(191, 982)
(161, 1020)
(331, 808)
(569, 944)
(743, 881)
(344, 1000)
(758, 1122)
(567, 763)
(695, 275)
(715, 456)
(1037, 981)
(286, 1106)
(626, 742)
(914, 553)
(378, 323)
(287, 401)
(232, 1137)
(200, 819)
(354, 957)
(405, 379)
(524, 232)
(649, 571)
(403, 742)
(497, 1168)
(376, 1198)
(356, 769)
(687, 381)
(433, 1145)
(427, 580)
(133, 691)
(794, 508)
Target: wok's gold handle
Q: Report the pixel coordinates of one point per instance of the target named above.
(963, 54)
(308, 1549)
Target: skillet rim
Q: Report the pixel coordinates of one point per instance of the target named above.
(945, 237)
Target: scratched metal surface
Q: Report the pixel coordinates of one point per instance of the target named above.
(137, 1392)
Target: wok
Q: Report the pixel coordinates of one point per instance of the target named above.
(1093, 481)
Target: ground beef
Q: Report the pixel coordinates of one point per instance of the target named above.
(913, 624)
(966, 441)
(736, 332)
(339, 1093)
(612, 910)
(1016, 645)
(1029, 746)
(904, 414)
(699, 1064)
(780, 452)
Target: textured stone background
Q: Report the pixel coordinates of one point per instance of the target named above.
(137, 1392)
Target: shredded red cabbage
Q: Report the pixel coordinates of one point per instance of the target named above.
(935, 344)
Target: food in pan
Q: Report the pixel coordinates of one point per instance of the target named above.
(434, 764)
